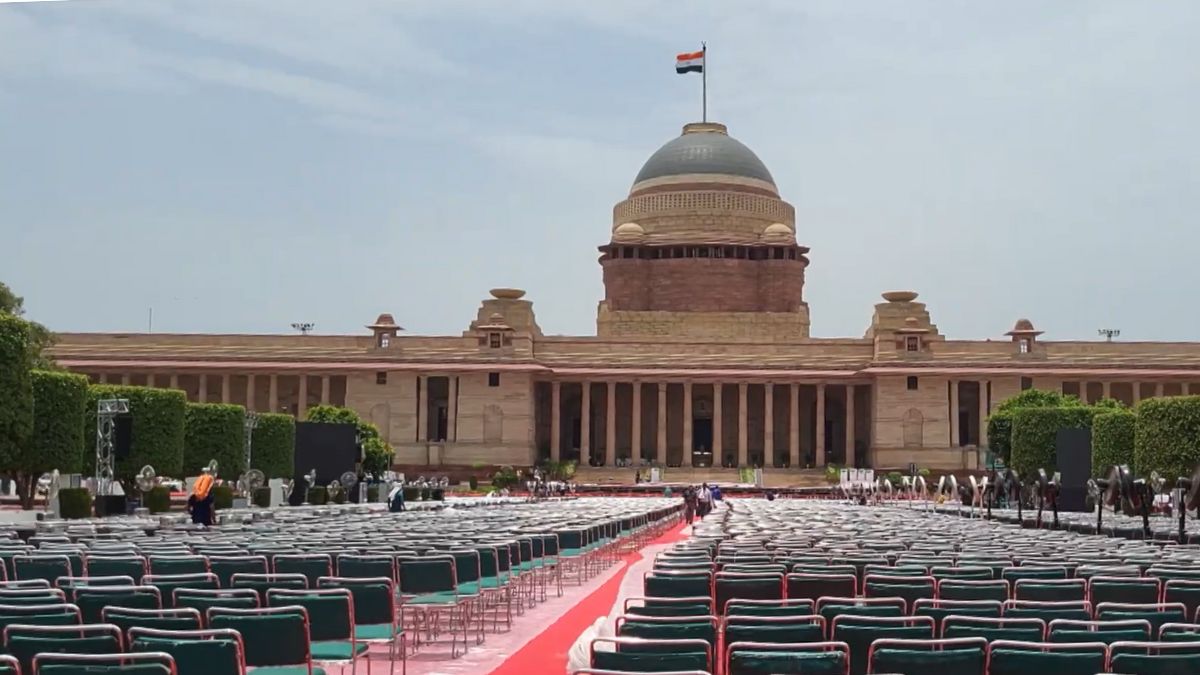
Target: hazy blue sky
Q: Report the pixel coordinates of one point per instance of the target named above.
(242, 164)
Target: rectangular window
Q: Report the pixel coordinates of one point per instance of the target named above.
(494, 340)
(912, 382)
(913, 343)
(493, 379)
(1026, 383)
(381, 377)
(1024, 345)
(384, 340)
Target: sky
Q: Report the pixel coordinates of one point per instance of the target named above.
(239, 165)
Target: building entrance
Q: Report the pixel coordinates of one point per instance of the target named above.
(702, 442)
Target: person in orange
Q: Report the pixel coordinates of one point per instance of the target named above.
(200, 503)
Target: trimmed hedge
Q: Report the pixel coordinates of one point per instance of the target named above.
(1166, 436)
(74, 503)
(158, 429)
(274, 445)
(999, 424)
(214, 431)
(1113, 441)
(157, 500)
(1035, 432)
(60, 405)
(222, 496)
(16, 390)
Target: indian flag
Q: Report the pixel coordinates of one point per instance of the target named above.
(691, 62)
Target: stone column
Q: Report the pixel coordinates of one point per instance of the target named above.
(1137, 392)
(102, 378)
(325, 389)
(718, 448)
(794, 426)
(820, 449)
(150, 379)
(422, 409)
(610, 428)
(125, 379)
(1185, 388)
(1158, 389)
(687, 424)
(983, 412)
(273, 394)
(585, 423)
(302, 400)
(174, 381)
(203, 395)
(768, 425)
(225, 396)
(1083, 391)
(954, 435)
(850, 458)
(250, 397)
(635, 440)
(452, 409)
(555, 421)
(662, 423)
(743, 426)
(1107, 392)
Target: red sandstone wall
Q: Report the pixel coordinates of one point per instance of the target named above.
(704, 284)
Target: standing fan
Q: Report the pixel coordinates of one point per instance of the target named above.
(251, 481)
(1046, 492)
(1099, 489)
(348, 480)
(1012, 492)
(52, 490)
(1189, 498)
(885, 487)
(146, 479)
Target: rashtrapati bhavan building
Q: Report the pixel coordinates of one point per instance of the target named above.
(702, 353)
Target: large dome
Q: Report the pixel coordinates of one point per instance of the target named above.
(704, 148)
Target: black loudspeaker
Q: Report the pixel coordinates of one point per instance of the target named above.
(111, 505)
(1074, 450)
(122, 436)
(329, 448)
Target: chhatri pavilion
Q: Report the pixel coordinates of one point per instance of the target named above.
(702, 354)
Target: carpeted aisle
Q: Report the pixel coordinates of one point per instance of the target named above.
(547, 653)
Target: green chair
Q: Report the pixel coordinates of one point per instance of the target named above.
(312, 565)
(860, 632)
(57, 614)
(9, 665)
(668, 606)
(1130, 591)
(70, 584)
(148, 663)
(429, 586)
(962, 656)
(376, 620)
(46, 567)
(1154, 658)
(494, 583)
(201, 599)
(938, 610)
(786, 607)
(1179, 632)
(1014, 574)
(262, 583)
(909, 588)
(1186, 591)
(274, 638)
(26, 585)
(1051, 590)
(366, 566)
(636, 655)
(810, 658)
(1026, 658)
(125, 618)
(748, 586)
(32, 596)
(677, 584)
(896, 570)
(996, 590)
(1156, 613)
(227, 566)
(25, 642)
(167, 583)
(1067, 631)
(133, 566)
(93, 599)
(330, 611)
(178, 564)
(670, 628)
(774, 629)
(196, 652)
(811, 586)
(1022, 630)
(1048, 611)
(831, 608)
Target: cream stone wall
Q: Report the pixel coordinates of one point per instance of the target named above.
(892, 405)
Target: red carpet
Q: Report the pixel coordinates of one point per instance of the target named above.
(547, 653)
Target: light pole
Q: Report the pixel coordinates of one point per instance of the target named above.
(304, 327)
(1109, 333)
(251, 424)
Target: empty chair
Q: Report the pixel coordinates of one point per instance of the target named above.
(178, 564)
(1014, 574)
(1026, 658)
(633, 655)
(147, 663)
(810, 658)
(811, 586)
(312, 565)
(167, 583)
(1154, 658)
(46, 567)
(669, 606)
(860, 632)
(940, 609)
(227, 566)
(133, 566)
(32, 596)
(184, 618)
(973, 589)
(376, 620)
(366, 566)
(1179, 632)
(1065, 631)
(25, 642)
(58, 614)
(1023, 630)
(1051, 590)
(963, 656)
(1048, 611)
(1125, 590)
(1156, 613)
(275, 637)
(749, 586)
(774, 629)
(831, 608)
(331, 622)
(196, 652)
(976, 573)
(1185, 591)
(201, 599)
(262, 583)
(677, 584)
(909, 588)
(786, 607)
(93, 599)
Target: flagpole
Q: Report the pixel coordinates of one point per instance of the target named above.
(704, 78)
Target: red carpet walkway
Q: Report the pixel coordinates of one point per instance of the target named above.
(547, 653)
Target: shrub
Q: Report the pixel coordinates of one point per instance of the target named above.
(833, 474)
(1035, 432)
(157, 500)
(214, 431)
(262, 497)
(473, 483)
(222, 496)
(999, 433)
(1165, 436)
(59, 399)
(1113, 440)
(506, 477)
(895, 478)
(75, 503)
(377, 457)
(16, 391)
(158, 429)
(318, 496)
(273, 445)
(1000, 422)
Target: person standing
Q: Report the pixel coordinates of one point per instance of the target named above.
(704, 498)
(689, 505)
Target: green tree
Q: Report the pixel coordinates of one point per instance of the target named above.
(16, 391)
(274, 445)
(39, 339)
(1000, 423)
(378, 452)
(1113, 440)
(1165, 436)
(1035, 433)
(214, 431)
(59, 406)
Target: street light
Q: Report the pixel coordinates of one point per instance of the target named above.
(1109, 333)
(305, 327)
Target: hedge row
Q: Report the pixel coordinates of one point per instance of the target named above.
(60, 405)
(1166, 436)
(273, 445)
(1035, 433)
(214, 431)
(16, 391)
(158, 429)
(1113, 440)
(1000, 423)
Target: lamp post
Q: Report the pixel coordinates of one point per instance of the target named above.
(250, 424)
(304, 327)
(1109, 333)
